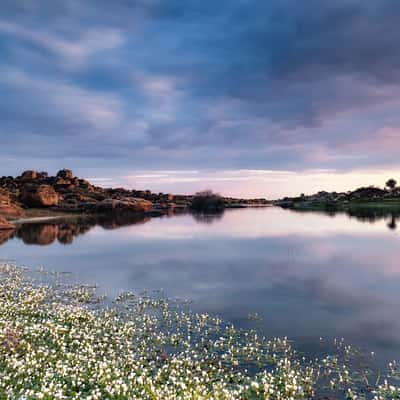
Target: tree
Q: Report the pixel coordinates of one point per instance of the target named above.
(391, 184)
(207, 201)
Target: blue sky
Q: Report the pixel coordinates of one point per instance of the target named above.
(247, 97)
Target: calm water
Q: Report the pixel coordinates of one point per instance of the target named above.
(307, 275)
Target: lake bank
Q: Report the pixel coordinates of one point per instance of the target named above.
(384, 205)
(363, 199)
(37, 195)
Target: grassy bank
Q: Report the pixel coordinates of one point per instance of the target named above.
(64, 342)
(389, 205)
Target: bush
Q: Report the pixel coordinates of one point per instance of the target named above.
(207, 201)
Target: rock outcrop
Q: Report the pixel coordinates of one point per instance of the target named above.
(39, 196)
(131, 204)
(9, 208)
(5, 225)
(29, 175)
(65, 174)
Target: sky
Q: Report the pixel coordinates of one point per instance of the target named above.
(249, 98)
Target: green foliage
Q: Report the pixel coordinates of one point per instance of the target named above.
(391, 183)
(207, 201)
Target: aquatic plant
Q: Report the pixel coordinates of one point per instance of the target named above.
(59, 341)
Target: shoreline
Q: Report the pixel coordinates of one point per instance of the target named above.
(32, 220)
(364, 198)
(35, 215)
(36, 197)
(393, 205)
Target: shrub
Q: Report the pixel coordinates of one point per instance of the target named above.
(207, 201)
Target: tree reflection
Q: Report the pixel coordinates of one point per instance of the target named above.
(392, 223)
(363, 214)
(207, 218)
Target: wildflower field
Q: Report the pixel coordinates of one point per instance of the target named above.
(59, 341)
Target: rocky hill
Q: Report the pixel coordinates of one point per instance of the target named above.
(68, 193)
(65, 192)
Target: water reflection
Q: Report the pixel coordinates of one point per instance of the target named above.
(5, 235)
(365, 214)
(392, 224)
(306, 274)
(65, 230)
(207, 218)
(375, 215)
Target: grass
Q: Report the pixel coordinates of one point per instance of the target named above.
(388, 205)
(59, 341)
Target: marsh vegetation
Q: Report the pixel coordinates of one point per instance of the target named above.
(61, 341)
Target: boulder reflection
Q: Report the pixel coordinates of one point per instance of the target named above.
(5, 235)
(65, 231)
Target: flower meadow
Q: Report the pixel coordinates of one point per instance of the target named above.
(62, 341)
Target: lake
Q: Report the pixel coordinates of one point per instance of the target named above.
(305, 275)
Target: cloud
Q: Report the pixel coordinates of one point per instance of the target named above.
(230, 85)
(72, 53)
(59, 107)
